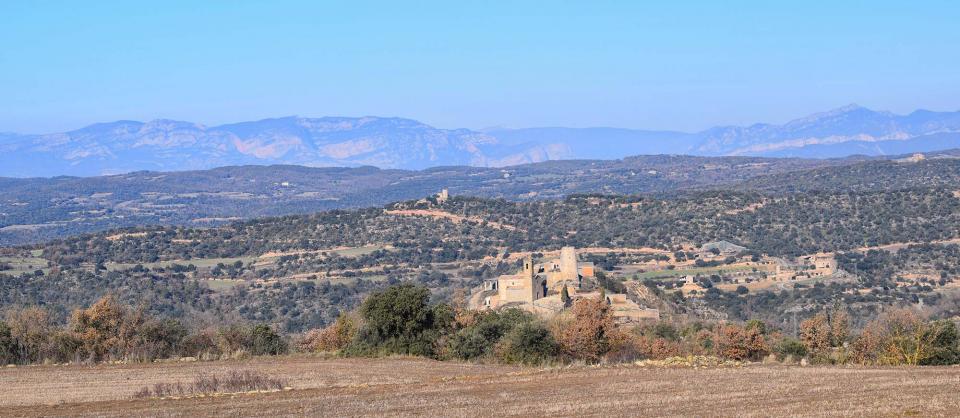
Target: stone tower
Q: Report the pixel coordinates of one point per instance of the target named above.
(568, 264)
(527, 271)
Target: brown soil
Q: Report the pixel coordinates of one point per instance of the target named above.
(406, 387)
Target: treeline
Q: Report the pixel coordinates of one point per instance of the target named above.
(291, 305)
(400, 320)
(110, 331)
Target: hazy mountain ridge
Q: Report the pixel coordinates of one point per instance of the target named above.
(844, 125)
(168, 145)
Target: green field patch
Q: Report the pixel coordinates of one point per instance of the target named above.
(21, 265)
(219, 285)
(358, 251)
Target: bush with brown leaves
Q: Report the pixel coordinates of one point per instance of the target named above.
(332, 338)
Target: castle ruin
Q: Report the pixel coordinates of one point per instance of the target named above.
(536, 281)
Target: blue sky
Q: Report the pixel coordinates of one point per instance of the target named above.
(664, 65)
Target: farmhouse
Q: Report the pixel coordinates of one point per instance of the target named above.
(820, 264)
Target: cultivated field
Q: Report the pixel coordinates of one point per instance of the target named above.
(406, 387)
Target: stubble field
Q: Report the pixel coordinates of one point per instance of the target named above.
(411, 387)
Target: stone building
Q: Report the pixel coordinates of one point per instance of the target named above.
(822, 264)
(525, 286)
(536, 281)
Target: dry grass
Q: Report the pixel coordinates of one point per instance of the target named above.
(233, 382)
(409, 387)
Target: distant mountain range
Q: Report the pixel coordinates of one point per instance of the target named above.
(167, 145)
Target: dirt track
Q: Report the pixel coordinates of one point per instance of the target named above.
(405, 387)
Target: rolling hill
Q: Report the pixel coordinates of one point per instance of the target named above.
(38, 209)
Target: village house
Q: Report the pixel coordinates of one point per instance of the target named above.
(820, 264)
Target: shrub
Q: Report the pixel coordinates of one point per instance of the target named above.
(908, 338)
(63, 347)
(487, 328)
(816, 337)
(7, 345)
(336, 337)
(591, 333)
(399, 320)
(791, 347)
(200, 345)
(265, 341)
(826, 330)
(256, 340)
(663, 330)
(901, 337)
(738, 343)
(232, 338)
(101, 329)
(756, 324)
(946, 344)
(30, 329)
(528, 343)
(156, 339)
(657, 348)
(868, 346)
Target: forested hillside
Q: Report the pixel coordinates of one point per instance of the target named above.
(301, 271)
(35, 210)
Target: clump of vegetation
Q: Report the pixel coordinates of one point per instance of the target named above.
(478, 335)
(333, 338)
(825, 334)
(591, 333)
(110, 331)
(902, 337)
(232, 382)
(528, 343)
(790, 348)
(400, 320)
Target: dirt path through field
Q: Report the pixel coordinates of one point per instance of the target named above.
(410, 387)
